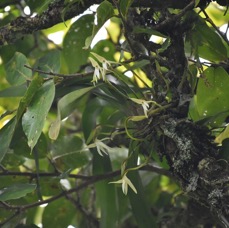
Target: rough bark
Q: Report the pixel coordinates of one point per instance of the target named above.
(188, 147)
(58, 11)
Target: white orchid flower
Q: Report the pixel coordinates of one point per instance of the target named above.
(100, 146)
(144, 104)
(96, 75)
(125, 181)
(100, 72)
(105, 65)
(97, 71)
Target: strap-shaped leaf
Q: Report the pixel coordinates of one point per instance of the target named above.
(105, 193)
(140, 207)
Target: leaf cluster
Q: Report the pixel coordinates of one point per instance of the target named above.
(129, 92)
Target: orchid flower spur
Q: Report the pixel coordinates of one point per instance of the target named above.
(100, 146)
(125, 181)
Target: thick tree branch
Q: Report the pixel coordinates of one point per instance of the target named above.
(53, 15)
(59, 11)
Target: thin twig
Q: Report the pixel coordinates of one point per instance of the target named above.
(87, 215)
(222, 34)
(90, 180)
(58, 74)
(158, 170)
(126, 32)
(10, 218)
(78, 176)
(34, 175)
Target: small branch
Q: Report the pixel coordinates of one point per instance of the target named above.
(158, 170)
(55, 14)
(175, 18)
(82, 177)
(159, 4)
(10, 218)
(126, 32)
(208, 19)
(207, 64)
(60, 75)
(87, 215)
(34, 175)
(89, 180)
(92, 180)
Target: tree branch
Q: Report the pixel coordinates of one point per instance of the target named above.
(158, 4)
(34, 175)
(58, 12)
(58, 74)
(88, 181)
(148, 167)
(55, 14)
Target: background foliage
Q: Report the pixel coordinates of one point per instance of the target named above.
(126, 129)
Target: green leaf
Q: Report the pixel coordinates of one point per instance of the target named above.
(138, 64)
(105, 193)
(14, 91)
(49, 63)
(224, 150)
(73, 52)
(38, 6)
(148, 31)
(6, 135)
(20, 147)
(34, 118)
(16, 191)
(68, 151)
(65, 107)
(16, 73)
(140, 206)
(7, 132)
(207, 43)
(124, 6)
(106, 49)
(35, 84)
(196, 2)
(212, 94)
(224, 135)
(59, 214)
(104, 12)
